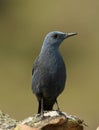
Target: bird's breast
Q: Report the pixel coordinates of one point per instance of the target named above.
(54, 66)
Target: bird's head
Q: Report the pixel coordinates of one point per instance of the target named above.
(55, 38)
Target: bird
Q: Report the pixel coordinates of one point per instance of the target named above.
(49, 71)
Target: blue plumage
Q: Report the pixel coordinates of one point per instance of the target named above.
(49, 71)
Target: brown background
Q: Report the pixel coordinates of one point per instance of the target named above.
(23, 26)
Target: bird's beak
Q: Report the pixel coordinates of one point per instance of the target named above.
(70, 34)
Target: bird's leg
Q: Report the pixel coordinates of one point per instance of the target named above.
(58, 109)
(42, 110)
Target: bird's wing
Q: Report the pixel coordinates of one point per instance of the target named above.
(40, 76)
(35, 64)
(36, 76)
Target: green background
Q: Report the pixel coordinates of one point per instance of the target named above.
(23, 26)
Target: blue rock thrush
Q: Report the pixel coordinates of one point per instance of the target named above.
(49, 72)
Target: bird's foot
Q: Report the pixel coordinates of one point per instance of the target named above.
(61, 113)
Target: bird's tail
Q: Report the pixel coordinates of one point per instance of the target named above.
(45, 105)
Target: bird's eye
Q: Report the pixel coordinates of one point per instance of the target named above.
(55, 36)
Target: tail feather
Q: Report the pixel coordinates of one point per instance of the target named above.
(47, 105)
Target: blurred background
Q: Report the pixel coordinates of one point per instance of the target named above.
(23, 26)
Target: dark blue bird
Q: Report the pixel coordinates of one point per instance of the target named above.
(49, 71)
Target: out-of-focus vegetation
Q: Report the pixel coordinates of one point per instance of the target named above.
(23, 25)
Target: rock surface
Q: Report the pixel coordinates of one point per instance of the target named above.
(52, 120)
